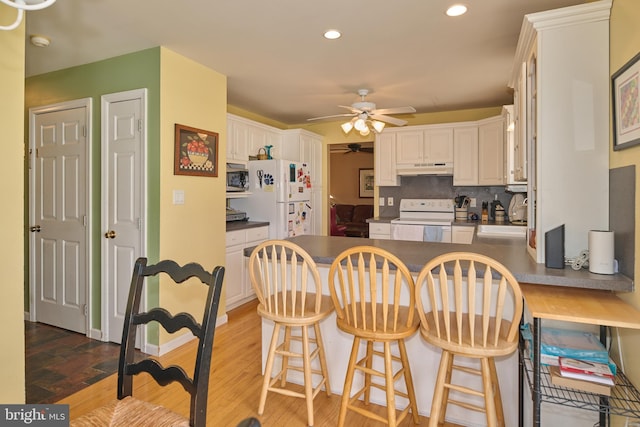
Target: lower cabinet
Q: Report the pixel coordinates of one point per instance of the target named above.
(462, 234)
(380, 230)
(237, 284)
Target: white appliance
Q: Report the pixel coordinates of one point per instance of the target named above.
(518, 209)
(280, 194)
(424, 220)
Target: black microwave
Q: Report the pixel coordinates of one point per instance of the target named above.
(237, 180)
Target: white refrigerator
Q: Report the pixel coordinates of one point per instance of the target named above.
(281, 194)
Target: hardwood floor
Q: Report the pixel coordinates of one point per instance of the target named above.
(235, 384)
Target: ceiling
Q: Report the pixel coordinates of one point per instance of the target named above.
(278, 64)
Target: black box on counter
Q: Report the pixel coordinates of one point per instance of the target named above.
(554, 248)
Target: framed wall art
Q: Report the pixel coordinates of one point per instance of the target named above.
(366, 183)
(196, 152)
(626, 104)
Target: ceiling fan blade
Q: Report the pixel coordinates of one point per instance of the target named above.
(397, 110)
(330, 117)
(353, 110)
(388, 119)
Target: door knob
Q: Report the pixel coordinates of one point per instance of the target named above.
(35, 228)
(110, 234)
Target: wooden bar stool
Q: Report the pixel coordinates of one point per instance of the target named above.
(288, 286)
(448, 289)
(373, 294)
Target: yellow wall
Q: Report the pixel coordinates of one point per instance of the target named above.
(625, 44)
(195, 96)
(12, 223)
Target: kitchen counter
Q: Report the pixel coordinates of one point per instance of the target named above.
(382, 219)
(243, 225)
(509, 251)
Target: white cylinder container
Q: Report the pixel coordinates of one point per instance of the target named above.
(601, 252)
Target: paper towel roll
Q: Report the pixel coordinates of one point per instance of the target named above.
(601, 252)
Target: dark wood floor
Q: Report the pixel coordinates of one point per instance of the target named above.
(60, 363)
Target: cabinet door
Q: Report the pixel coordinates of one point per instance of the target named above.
(465, 155)
(491, 152)
(438, 145)
(409, 147)
(236, 141)
(520, 133)
(384, 155)
(257, 139)
(234, 275)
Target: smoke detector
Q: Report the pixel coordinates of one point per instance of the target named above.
(39, 41)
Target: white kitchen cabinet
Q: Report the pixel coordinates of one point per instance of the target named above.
(236, 140)
(465, 155)
(491, 151)
(380, 230)
(237, 284)
(566, 121)
(384, 156)
(433, 144)
(478, 153)
(462, 234)
(513, 160)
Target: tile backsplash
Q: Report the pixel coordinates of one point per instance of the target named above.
(438, 187)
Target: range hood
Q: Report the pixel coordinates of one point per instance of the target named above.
(425, 169)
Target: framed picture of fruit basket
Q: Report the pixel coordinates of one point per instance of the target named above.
(196, 152)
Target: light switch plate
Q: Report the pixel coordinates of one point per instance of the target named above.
(381, 201)
(472, 202)
(390, 201)
(178, 197)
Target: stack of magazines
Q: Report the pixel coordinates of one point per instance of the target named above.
(576, 359)
(583, 375)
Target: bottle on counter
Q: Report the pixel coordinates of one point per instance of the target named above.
(485, 212)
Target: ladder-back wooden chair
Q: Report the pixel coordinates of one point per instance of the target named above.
(287, 283)
(129, 411)
(373, 294)
(470, 306)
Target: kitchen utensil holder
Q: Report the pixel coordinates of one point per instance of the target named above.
(461, 214)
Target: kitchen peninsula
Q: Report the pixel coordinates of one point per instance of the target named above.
(423, 357)
(510, 252)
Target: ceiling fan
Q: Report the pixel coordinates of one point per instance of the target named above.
(353, 148)
(364, 113)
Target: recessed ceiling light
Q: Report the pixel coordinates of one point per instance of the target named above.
(457, 10)
(332, 34)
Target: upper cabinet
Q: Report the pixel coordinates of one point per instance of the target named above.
(432, 145)
(237, 151)
(561, 81)
(491, 151)
(385, 159)
(465, 155)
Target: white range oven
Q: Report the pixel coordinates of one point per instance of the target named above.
(424, 220)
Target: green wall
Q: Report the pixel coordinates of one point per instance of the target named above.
(133, 71)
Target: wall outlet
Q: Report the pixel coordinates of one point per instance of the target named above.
(472, 202)
(390, 201)
(381, 201)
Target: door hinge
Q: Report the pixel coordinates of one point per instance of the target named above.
(139, 223)
(84, 131)
(84, 220)
(85, 310)
(139, 125)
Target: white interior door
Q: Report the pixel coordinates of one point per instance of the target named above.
(59, 198)
(123, 194)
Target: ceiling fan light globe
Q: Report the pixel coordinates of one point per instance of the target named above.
(377, 125)
(346, 127)
(360, 125)
(365, 131)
